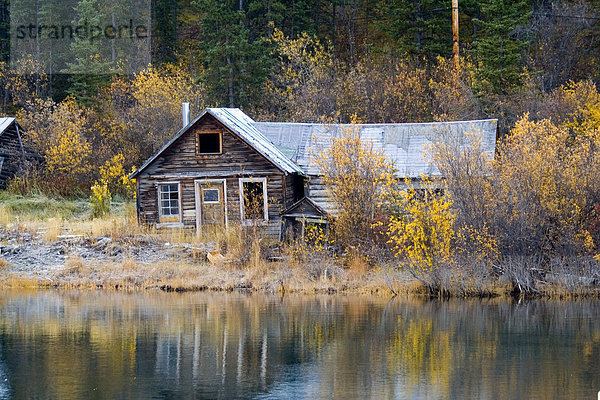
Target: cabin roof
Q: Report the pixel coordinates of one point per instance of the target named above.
(292, 146)
(5, 122)
(407, 145)
(241, 125)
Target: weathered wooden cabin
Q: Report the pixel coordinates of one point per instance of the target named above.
(13, 154)
(216, 170)
(224, 168)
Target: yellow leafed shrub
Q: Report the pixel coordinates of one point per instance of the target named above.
(100, 199)
(423, 231)
(361, 183)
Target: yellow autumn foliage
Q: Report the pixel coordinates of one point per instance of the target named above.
(100, 199)
(69, 154)
(547, 188)
(314, 244)
(25, 82)
(149, 106)
(59, 132)
(304, 79)
(422, 233)
(361, 182)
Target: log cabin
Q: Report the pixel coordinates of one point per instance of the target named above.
(223, 167)
(13, 154)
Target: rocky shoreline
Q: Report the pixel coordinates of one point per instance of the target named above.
(144, 262)
(33, 256)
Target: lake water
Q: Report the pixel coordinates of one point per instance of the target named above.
(68, 345)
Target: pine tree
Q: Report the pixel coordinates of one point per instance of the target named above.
(90, 71)
(422, 28)
(165, 30)
(497, 48)
(263, 16)
(236, 65)
(4, 31)
(298, 18)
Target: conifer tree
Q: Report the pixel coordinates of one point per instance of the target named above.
(497, 48)
(89, 72)
(422, 27)
(236, 64)
(165, 30)
(264, 16)
(298, 18)
(4, 30)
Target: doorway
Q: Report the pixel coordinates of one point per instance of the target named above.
(211, 203)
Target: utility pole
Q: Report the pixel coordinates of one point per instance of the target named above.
(455, 32)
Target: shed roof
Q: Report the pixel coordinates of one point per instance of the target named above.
(305, 207)
(407, 145)
(243, 126)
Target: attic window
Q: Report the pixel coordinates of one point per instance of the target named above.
(208, 142)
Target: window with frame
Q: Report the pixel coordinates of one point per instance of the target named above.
(253, 199)
(210, 195)
(208, 142)
(169, 206)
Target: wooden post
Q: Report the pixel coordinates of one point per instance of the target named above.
(455, 32)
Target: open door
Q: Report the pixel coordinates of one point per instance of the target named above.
(211, 204)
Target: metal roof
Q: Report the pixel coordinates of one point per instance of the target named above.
(242, 125)
(292, 146)
(5, 122)
(406, 145)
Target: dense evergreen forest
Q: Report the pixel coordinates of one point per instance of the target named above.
(287, 60)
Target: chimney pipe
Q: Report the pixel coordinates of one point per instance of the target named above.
(185, 113)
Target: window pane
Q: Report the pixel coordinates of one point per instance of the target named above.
(254, 207)
(169, 200)
(210, 195)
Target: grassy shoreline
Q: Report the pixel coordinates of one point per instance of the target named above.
(53, 243)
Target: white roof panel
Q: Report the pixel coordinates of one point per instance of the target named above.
(406, 145)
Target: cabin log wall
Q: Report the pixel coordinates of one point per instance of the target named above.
(180, 163)
(13, 153)
(318, 192)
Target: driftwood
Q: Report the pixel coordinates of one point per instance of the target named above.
(216, 258)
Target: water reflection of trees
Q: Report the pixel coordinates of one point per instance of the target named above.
(65, 345)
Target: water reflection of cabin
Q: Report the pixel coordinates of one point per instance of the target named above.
(223, 167)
